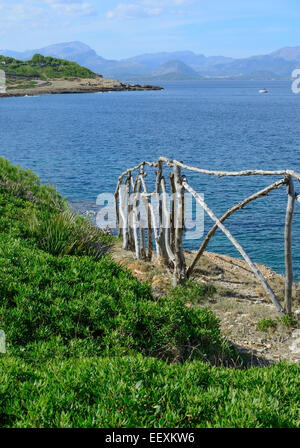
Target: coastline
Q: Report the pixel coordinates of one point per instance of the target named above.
(77, 85)
(79, 327)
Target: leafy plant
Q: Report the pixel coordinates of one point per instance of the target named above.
(134, 391)
(193, 292)
(287, 321)
(266, 324)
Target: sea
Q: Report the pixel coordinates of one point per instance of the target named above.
(81, 144)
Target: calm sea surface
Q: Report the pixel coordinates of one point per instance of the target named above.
(81, 143)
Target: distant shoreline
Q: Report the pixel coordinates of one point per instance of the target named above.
(78, 85)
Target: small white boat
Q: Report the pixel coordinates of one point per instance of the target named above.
(263, 91)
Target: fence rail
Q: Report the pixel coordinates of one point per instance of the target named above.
(164, 233)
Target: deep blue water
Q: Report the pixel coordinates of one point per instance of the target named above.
(81, 143)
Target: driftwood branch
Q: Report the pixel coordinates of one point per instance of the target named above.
(123, 207)
(150, 218)
(117, 210)
(167, 222)
(179, 266)
(254, 268)
(226, 215)
(146, 255)
(123, 220)
(130, 212)
(135, 223)
(288, 246)
(173, 163)
(131, 170)
(161, 230)
(173, 194)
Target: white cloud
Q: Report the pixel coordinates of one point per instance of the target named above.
(131, 11)
(16, 11)
(71, 7)
(145, 8)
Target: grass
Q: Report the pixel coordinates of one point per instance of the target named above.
(266, 324)
(29, 85)
(272, 324)
(88, 345)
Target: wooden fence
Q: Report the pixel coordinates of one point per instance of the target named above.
(164, 231)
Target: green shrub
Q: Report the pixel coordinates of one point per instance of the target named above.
(37, 212)
(77, 297)
(24, 184)
(193, 292)
(144, 392)
(266, 324)
(271, 324)
(287, 321)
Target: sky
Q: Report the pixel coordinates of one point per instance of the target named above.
(119, 29)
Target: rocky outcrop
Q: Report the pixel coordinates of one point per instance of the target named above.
(76, 85)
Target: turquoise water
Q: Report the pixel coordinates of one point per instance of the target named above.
(81, 143)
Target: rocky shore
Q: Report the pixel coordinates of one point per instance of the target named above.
(75, 85)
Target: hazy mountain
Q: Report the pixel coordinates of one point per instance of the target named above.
(173, 65)
(174, 70)
(278, 66)
(152, 61)
(124, 69)
(17, 54)
(287, 53)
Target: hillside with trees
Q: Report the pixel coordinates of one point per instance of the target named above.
(51, 75)
(41, 67)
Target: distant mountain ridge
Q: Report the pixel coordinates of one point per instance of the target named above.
(173, 65)
(171, 70)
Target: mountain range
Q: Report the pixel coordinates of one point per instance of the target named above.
(173, 65)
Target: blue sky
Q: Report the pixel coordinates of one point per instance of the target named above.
(120, 29)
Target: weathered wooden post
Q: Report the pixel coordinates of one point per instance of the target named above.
(140, 223)
(161, 230)
(167, 222)
(179, 265)
(146, 201)
(135, 218)
(117, 207)
(173, 198)
(123, 208)
(288, 293)
(128, 184)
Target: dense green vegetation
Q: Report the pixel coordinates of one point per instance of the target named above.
(43, 67)
(89, 346)
(144, 392)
